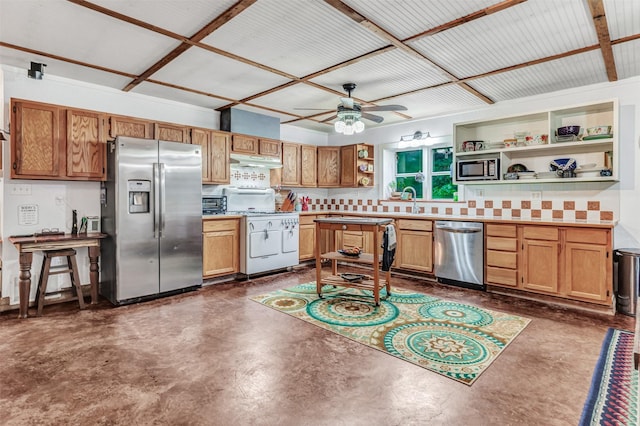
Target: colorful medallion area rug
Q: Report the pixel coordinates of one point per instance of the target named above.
(613, 397)
(453, 339)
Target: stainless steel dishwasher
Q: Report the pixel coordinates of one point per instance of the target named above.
(459, 253)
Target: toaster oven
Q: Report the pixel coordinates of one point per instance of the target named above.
(214, 205)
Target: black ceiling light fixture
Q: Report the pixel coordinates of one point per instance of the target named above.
(36, 71)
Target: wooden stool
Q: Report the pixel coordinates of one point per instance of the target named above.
(70, 254)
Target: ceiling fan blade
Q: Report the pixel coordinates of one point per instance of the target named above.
(329, 119)
(372, 117)
(385, 108)
(347, 102)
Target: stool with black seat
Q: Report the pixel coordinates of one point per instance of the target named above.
(45, 272)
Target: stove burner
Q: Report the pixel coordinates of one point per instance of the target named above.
(258, 212)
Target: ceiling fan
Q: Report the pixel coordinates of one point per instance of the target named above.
(349, 109)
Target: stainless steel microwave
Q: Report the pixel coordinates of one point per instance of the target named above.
(478, 169)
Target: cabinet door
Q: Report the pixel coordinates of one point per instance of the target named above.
(86, 145)
(243, 144)
(290, 164)
(129, 126)
(328, 166)
(202, 137)
(540, 266)
(219, 253)
(36, 140)
(414, 250)
(270, 147)
(171, 132)
(348, 166)
(308, 166)
(587, 271)
(307, 241)
(219, 157)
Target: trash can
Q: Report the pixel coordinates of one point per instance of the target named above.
(626, 279)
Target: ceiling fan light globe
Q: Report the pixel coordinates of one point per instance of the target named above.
(339, 126)
(358, 126)
(348, 130)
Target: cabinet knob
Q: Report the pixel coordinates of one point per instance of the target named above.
(344, 227)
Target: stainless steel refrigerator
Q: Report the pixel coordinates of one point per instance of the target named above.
(152, 212)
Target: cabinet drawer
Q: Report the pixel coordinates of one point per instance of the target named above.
(220, 225)
(415, 225)
(589, 236)
(504, 244)
(502, 276)
(540, 233)
(502, 259)
(352, 239)
(307, 219)
(496, 230)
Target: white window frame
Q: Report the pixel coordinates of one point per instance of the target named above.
(426, 163)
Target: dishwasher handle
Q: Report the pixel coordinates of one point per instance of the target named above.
(459, 230)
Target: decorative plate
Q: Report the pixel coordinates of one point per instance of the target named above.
(594, 137)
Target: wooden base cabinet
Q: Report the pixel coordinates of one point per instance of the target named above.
(220, 247)
(414, 245)
(569, 262)
(307, 237)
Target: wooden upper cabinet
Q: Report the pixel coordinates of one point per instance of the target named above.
(202, 137)
(219, 157)
(171, 132)
(86, 145)
(308, 165)
(348, 166)
(130, 126)
(244, 144)
(36, 140)
(328, 166)
(270, 147)
(290, 164)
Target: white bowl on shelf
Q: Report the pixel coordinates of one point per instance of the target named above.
(527, 175)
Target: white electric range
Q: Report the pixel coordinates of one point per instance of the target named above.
(269, 239)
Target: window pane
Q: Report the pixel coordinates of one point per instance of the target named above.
(442, 188)
(442, 159)
(403, 182)
(409, 162)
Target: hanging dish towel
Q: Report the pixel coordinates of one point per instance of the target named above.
(388, 247)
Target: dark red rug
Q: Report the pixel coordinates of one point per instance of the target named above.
(613, 397)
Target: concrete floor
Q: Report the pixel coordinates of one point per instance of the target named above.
(214, 357)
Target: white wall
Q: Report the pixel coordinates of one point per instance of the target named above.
(623, 197)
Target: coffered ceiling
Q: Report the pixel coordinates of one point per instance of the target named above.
(290, 58)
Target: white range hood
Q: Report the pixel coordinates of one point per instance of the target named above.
(243, 160)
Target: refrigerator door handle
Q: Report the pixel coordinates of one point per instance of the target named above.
(162, 199)
(156, 200)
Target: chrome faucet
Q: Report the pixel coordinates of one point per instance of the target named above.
(414, 208)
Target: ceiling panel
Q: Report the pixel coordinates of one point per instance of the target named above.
(164, 92)
(299, 96)
(384, 75)
(623, 17)
(415, 16)
(531, 30)
(65, 29)
(627, 58)
(184, 17)
(23, 60)
(438, 101)
(574, 71)
(298, 37)
(206, 71)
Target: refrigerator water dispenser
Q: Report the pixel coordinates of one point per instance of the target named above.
(139, 191)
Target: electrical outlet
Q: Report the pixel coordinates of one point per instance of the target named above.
(20, 189)
(536, 195)
(59, 200)
(480, 193)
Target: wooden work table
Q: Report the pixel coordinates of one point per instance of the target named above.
(373, 225)
(27, 245)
